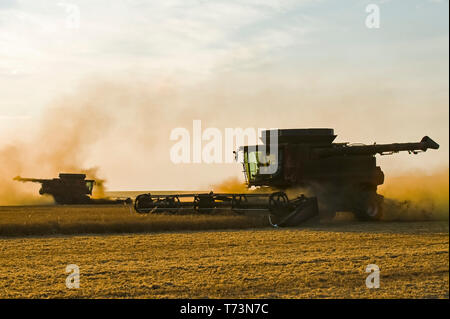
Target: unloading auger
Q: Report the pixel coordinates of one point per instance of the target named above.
(280, 210)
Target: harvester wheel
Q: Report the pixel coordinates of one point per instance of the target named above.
(370, 208)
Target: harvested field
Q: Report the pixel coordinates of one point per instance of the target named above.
(322, 261)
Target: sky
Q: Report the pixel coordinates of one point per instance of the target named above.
(152, 66)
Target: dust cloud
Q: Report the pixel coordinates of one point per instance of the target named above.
(117, 131)
(64, 137)
(58, 145)
(417, 196)
(230, 185)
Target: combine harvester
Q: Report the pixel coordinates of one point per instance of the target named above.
(71, 189)
(337, 176)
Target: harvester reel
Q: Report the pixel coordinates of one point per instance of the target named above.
(239, 202)
(159, 203)
(143, 203)
(278, 203)
(172, 203)
(278, 206)
(204, 203)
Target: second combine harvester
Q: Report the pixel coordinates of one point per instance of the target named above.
(336, 176)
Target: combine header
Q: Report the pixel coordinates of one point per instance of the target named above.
(339, 176)
(281, 210)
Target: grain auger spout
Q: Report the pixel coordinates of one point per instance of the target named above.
(280, 210)
(31, 180)
(382, 149)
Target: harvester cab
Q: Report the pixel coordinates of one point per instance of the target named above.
(253, 160)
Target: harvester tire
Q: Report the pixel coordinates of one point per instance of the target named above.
(371, 208)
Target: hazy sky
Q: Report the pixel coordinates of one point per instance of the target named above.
(267, 63)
